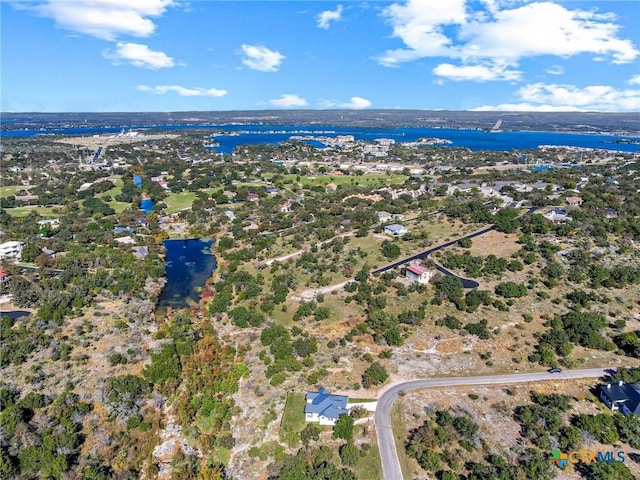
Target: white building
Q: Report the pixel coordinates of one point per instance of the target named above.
(419, 274)
(324, 408)
(395, 230)
(11, 250)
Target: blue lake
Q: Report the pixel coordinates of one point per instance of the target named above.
(189, 263)
(274, 134)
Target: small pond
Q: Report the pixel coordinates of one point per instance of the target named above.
(146, 205)
(189, 263)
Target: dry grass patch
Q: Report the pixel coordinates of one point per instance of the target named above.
(495, 243)
(449, 345)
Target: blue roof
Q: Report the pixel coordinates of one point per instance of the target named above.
(325, 404)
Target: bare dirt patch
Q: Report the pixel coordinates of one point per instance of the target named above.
(450, 345)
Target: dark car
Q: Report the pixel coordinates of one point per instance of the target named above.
(555, 370)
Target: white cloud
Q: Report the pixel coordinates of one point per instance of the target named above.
(325, 18)
(183, 91)
(544, 28)
(261, 58)
(502, 33)
(555, 70)
(356, 103)
(476, 73)
(419, 24)
(106, 19)
(288, 100)
(139, 55)
(552, 97)
(635, 80)
(524, 107)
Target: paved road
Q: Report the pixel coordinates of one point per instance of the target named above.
(388, 454)
(466, 282)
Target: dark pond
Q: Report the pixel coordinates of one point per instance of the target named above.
(15, 314)
(189, 264)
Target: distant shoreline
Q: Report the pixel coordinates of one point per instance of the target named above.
(621, 123)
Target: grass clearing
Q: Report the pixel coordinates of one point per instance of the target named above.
(116, 190)
(400, 436)
(369, 467)
(293, 420)
(179, 201)
(119, 206)
(361, 400)
(8, 190)
(20, 212)
(369, 180)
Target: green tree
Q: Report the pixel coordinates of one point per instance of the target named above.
(30, 252)
(390, 249)
(310, 432)
(607, 471)
(449, 288)
(349, 454)
(376, 374)
(344, 427)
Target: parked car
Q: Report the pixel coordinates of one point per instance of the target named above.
(555, 370)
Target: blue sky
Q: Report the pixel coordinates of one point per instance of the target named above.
(171, 55)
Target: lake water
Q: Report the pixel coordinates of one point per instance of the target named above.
(473, 139)
(189, 263)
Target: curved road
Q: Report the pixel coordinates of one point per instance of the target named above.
(466, 282)
(388, 454)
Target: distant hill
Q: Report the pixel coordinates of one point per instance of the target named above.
(587, 122)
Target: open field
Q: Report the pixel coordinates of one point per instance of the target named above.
(369, 466)
(24, 211)
(370, 180)
(494, 243)
(8, 190)
(179, 201)
(293, 417)
(399, 426)
(116, 190)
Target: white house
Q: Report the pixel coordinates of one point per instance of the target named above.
(384, 216)
(557, 215)
(54, 222)
(395, 230)
(324, 408)
(12, 249)
(621, 396)
(128, 240)
(419, 274)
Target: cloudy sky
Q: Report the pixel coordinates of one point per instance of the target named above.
(172, 55)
